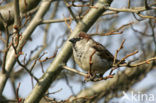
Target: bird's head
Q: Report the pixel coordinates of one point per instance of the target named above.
(82, 36)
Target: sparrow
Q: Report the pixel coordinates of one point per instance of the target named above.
(90, 55)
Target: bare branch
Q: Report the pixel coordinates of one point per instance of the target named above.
(75, 71)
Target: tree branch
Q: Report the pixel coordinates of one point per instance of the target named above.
(122, 81)
(55, 68)
(8, 12)
(11, 57)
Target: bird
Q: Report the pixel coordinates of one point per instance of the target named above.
(90, 55)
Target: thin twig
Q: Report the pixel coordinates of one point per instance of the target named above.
(133, 53)
(48, 58)
(17, 93)
(117, 51)
(119, 63)
(74, 70)
(59, 20)
(143, 62)
(146, 16)
(116, 31)
(136, 10)
(115, 58)
(67, 82)
(71, 12)
(18, 61)
(54, 92)
(132, 10)
(70, 18)
(68, 25)
(27, 70)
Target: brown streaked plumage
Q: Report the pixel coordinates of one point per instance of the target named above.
(91, 55)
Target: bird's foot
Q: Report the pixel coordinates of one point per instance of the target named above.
(90, 77)
(95, 78)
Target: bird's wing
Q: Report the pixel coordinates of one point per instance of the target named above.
(102, 51)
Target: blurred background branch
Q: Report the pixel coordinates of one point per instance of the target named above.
(39, 31)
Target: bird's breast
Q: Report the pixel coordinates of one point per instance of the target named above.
(88, 58)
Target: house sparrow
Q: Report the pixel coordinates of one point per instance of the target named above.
(90, 55)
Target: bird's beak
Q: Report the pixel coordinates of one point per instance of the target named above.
(74, 40)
